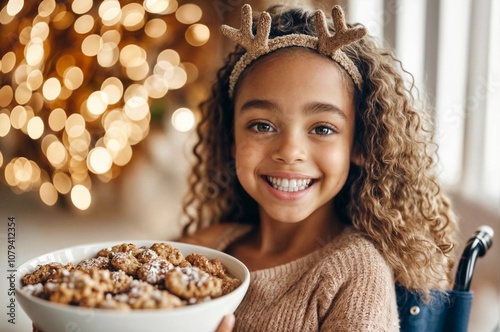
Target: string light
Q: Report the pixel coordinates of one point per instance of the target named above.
(77, 84)
(183, 119)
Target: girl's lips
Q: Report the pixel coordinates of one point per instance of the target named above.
(288, 184)
(297, 191)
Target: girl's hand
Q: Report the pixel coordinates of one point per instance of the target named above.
(227, 324)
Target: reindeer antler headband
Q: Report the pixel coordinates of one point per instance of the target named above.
(325, 43)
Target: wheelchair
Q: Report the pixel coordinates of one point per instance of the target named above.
(447, 311)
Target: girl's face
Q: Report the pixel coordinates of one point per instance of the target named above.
(294, 129)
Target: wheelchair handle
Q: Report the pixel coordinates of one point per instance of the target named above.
(477, 246)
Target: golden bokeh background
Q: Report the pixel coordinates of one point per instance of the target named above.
(83, 83)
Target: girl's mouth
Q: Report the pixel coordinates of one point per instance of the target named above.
(288, 185)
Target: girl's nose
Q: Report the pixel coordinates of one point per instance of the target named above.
(290, 148)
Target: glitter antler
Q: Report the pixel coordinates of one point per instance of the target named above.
(255, 46)
(328, 44)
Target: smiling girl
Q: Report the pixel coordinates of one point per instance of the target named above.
(313, 168)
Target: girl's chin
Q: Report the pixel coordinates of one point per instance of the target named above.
(286, 218)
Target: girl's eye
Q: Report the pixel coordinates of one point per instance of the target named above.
(261, 127)
(323, 130)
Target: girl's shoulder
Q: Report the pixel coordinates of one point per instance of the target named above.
(357, 254)
(218, 236)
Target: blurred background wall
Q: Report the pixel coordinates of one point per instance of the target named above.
(98, 101)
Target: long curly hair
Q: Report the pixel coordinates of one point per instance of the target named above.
(393, 196)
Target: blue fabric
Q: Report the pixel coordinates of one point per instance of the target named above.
(446, 312)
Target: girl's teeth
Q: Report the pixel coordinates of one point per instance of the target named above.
(289, 185)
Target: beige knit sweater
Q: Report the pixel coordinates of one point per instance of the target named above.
(343, 286)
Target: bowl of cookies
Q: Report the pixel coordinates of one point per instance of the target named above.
(131, 286)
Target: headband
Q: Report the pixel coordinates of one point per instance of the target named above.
(325, 43)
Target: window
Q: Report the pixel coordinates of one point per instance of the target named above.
(452, 49)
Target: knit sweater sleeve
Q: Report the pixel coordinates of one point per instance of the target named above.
(363, 296)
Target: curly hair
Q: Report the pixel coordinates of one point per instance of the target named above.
(393, 196)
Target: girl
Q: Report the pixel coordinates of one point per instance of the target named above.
(315, 168)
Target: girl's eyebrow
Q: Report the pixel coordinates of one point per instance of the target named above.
(318, 107)
(258, 103)
(310, 108)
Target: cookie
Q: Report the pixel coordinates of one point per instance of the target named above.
(154, 271)
(145, 255)
(126, 262)
(191, 282)
(94, 263)
(124, 247)
(45, 272)
(168, 252)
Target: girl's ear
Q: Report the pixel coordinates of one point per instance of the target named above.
(356, 156)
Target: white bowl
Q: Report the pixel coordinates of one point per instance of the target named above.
(55, 317)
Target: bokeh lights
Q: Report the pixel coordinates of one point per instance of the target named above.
(77, 80)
